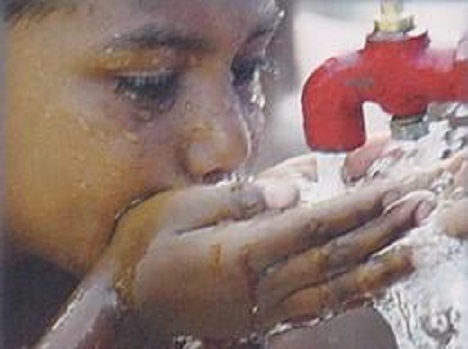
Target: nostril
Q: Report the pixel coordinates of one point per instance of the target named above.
(214, 159)
(216, 176)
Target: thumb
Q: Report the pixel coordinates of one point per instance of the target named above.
(201, 206)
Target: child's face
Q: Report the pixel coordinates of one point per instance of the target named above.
(120, 99)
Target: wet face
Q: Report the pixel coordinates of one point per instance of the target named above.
(117, 100)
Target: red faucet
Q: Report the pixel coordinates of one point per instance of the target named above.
(398, 71)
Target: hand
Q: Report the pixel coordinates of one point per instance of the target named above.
(453, 218)
(355, 166)
(215, 262)
(454, 221)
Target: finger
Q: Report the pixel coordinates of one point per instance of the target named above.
(342, 254)
(304, 166)
(419, 180)
(461, 177)
(196, 207)
(359, 160)
(296, 230)
(425, 179)
(279, 194)
(456, 162)
(454, 220)
(346, 291)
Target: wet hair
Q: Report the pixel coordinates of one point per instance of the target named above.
(18, 9)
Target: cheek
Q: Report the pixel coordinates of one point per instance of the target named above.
(66, 183)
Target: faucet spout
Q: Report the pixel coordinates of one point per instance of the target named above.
(398, 71)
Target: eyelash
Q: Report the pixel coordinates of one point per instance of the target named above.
(246, 71)
(150, 91)
(157, 92)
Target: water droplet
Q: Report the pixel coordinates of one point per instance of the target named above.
(131, 136)
(83, 123)
(439, 326)
(109, 50)
(77, 156)
(188, 107)
(146, 115)
(428, 309)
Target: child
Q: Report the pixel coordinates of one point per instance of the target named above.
(122, 116)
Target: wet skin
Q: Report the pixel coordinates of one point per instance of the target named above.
(125, 100)
(85, 137)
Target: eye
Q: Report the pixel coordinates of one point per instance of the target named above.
(149, 90)
(247, 70)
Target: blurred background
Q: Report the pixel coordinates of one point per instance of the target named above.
(313, 31)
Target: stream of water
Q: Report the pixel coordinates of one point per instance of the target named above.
(329, 179)
(428, 310)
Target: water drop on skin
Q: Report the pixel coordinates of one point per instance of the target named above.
(188, 107)
(145, 115)
(109, 51)
(78, 157)
(131, 137)
(83, 124)
(83, 185)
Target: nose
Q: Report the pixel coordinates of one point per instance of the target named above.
(218, 139)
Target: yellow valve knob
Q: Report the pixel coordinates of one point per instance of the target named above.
(393, 19)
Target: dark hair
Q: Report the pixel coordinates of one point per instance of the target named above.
(17, 9)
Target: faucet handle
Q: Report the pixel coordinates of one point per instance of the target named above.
(393, 19)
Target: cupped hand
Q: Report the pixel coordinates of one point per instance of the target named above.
(216, 262)
(355, 165)
(453, 218)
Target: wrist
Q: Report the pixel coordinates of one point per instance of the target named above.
(95, 314)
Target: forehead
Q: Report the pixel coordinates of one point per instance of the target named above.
(222, 21)
(239, 8)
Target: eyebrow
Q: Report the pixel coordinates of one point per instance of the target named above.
(15, 10)
(150, 37)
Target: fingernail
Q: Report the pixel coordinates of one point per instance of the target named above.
(461, 178)
(424, 210)
(252, 200)
(420, 202)
(390, 198)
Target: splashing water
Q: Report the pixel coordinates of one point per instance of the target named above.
(428, 310)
